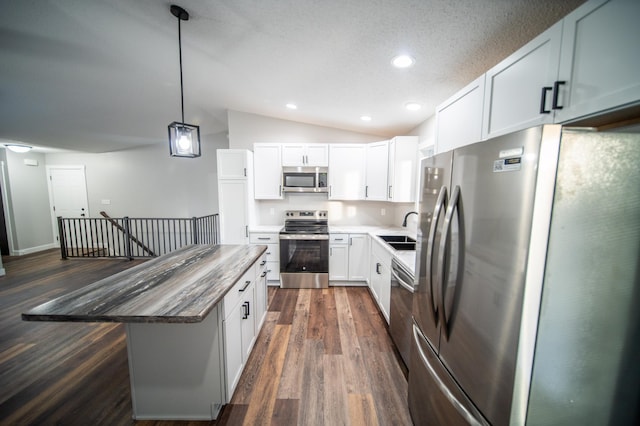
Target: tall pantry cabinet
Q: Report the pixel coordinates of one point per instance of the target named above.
(235, 195)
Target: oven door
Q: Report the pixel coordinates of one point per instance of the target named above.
(304, 260)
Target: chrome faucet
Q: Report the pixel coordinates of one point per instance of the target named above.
(404, 222)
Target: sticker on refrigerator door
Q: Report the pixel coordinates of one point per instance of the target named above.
(507, 165)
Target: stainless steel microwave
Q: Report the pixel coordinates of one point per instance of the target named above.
(304, 179)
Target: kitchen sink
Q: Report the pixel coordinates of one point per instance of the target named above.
(403, 245)
(398, 239)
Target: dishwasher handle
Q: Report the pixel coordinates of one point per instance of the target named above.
(403, 280)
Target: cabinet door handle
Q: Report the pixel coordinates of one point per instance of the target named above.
(330, 251)
(245, 172)
(390, 191)
(246, 284)
(350, 241)
(543, 100)
(245, 309)
(378, 269)
(366, 191)
(556, 93)
(246, 231)
(248, 309)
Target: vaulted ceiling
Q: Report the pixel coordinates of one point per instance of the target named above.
(102, 75)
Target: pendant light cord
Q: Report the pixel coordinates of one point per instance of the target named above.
(181, 84)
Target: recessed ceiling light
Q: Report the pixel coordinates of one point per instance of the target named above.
(403, 61)
(292, 106)
(365, 118)
(412, 106)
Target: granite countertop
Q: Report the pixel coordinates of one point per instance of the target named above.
(180, 287)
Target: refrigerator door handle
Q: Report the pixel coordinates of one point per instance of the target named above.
(441, 278)
(440, 204)
(460, 408)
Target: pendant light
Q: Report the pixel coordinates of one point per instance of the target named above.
(184, 139)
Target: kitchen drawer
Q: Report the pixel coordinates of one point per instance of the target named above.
(273, 271)
(264, 238)
(339, 239)
(261, 265)
(273, 252)
(237, 291)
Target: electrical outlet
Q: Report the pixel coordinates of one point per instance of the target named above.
(383, 211)
(105, 202)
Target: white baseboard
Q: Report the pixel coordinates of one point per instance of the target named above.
(33, 249)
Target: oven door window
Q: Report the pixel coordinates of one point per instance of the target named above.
(304, 256)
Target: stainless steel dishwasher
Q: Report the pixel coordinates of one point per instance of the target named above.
(400, 320)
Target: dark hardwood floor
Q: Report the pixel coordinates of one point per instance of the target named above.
(323, 357)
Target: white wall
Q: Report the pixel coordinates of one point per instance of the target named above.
(246, 129)
(147, 182)
(28, 202)
(426, 132)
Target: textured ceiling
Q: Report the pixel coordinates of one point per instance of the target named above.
(100, 75)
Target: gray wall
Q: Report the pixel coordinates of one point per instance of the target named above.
(28, 200)
(246, 129)
(147, 182)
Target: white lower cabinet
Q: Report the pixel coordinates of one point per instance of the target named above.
(261, 292)
(239, 327)
(380, 281)
(358, 257)
(338, 258)
(348, 257)
(272, 241)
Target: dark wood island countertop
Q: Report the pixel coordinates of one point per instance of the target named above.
(180, 287)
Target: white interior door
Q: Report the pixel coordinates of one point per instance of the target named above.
(67, 194)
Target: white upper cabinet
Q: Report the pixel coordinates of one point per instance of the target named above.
(600, 62)
(232, 163)
(518, 91)
(376, 174)
(267, 167)
(586, 64)
(347, 170)
(459, 119)
(402, 171)
(301, 155)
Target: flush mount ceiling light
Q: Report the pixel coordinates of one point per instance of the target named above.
(184, 139)
(412, 106)
(403, 61)
(365, 118)
(17, 148)
(291, 106)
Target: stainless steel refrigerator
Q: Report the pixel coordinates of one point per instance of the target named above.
(528, 280)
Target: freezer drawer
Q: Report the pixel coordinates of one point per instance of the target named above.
(434, 397)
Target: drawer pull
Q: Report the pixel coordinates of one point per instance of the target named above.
(246, 284)
(264, 262)
(264, 238)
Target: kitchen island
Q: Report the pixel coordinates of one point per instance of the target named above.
(176, 309)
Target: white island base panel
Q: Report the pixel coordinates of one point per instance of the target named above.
(176, 370)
